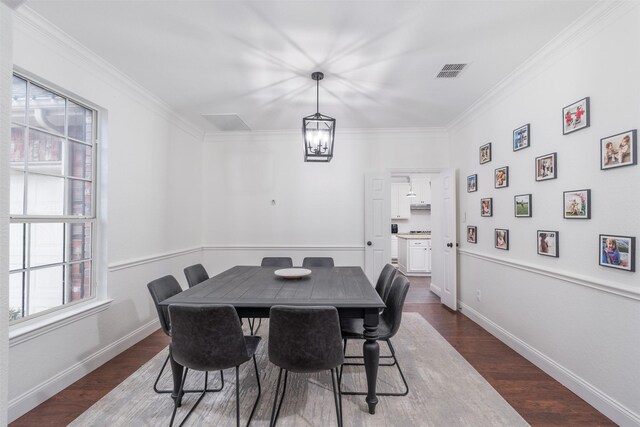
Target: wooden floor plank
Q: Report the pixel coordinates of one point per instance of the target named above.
(537, 397)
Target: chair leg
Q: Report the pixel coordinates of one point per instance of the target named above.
(255, 405)
(272, 422)
(337, 397)
(252, 324)
(155, 385)
(237, 398)
(276, 412)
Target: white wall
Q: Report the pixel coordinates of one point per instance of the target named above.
(319, 208)
(577, 320)
(151, 223)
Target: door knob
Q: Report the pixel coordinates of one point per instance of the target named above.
(449, 245)
(369, 243)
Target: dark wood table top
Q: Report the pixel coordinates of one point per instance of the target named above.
(259, 287)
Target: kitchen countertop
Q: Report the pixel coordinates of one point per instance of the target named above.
(413, 236)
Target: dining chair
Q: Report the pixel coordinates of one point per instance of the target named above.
(161, 289)
(195, 274)
(305, 339)
(208, 337)
(317, 262)
(277, 262)
(383, 285)
(387, 328)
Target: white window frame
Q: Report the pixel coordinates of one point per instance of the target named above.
(67, 311)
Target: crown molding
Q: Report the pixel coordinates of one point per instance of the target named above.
(593, 21)
(34, 24)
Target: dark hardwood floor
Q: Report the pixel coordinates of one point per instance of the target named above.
(537, 397)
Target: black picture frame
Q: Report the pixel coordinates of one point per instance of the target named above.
(485, 153)
(501, 177)
(501, 239)
(472, 234)
(576, 204)
(522, 205)
(522, 137)
(486, 207)
(576, 116)
(619, 150)
(622, 256)
(472, 183)
(548, 243)
(546, 167)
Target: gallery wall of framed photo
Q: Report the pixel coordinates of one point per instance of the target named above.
(549, 230)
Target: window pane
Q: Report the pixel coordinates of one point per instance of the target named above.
(47, 243)
(80, 160)
(46, 110)
(16, 193)
(18, 101)
(15, 296)
(45, 153)
(79, 282)
(80, 121)
(45, 289)
(16, 246)
(45, 195)
(16, 152)
(80, 197)
(80, 238)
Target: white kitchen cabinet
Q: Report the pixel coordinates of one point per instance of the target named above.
(421, 185)
(400, 208)
(394, 247)
(414, 256)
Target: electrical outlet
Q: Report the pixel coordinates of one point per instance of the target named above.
(478, 295)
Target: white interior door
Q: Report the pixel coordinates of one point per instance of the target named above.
(444, 239)
(377, 224)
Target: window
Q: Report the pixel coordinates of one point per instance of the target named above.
(52, 200)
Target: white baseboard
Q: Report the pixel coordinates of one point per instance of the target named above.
(32, 398)
(436, 289)
(592, 395)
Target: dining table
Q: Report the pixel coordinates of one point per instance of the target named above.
(253, 290)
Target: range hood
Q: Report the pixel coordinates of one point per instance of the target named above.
(421, 207)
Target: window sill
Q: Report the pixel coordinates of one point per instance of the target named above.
(25, 332)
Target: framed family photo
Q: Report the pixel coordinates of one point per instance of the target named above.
(618, 150)
(577, 204)
(472, 233)
(548, 243)
(546, 167)
(486, 207)
(472, 183)
(575, 116)
(485, 153)
(522, 205)
(521, 137)
(501, 177)
(502, 239)
(617, 252)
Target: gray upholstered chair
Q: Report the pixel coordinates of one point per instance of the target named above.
(161, 289)
(317, 262)
(283, 262)
(195, 274)
(305, 339)
(383, 285)
(209, 338)
(387, 328)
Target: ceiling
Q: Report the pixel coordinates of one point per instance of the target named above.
(255, 58)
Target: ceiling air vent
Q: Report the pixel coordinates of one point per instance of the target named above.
(450, 71)
(227, 122)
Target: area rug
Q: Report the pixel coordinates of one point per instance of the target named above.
(444, 391)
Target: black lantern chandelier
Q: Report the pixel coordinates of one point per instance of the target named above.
(318, 131)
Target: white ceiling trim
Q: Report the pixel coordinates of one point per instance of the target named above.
(32, 22)
(587, 25)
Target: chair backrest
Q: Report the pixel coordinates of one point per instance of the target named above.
(383, 286)
(161, 289)
(276, 262)
(305, 339)
(317, 262)
(392, 315)
(195, 274)
(207, 337)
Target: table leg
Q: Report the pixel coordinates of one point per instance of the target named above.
(371, 353)
(176, 371)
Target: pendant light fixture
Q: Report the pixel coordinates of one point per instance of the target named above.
(318, 131)
(411, 193)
